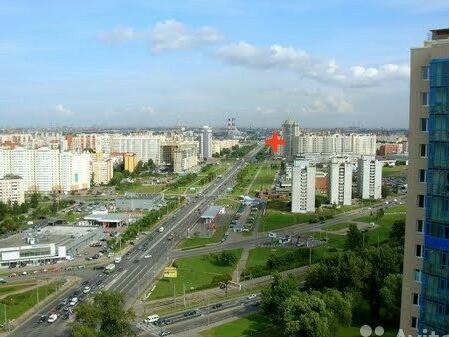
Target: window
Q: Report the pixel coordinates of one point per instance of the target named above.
(424, 99)
(415, 298)
(418, 251)
(425, 73)
(423, 150)
(418, 275)
(422, 176)
(420, 200)
(419, 226)
(414, 323)
(423, 124)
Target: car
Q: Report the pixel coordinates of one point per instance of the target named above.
(52, 318)
(190, 313)
(136, 261)
(148, 256)
(73, 301)
(85, 283)
(152, 319)
(65, 301)
(165, 333)
(217, 306)
(42, 319)
(252, 296)
(66, 315)
(86, 290)
(2, 280)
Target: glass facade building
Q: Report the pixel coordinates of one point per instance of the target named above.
(434, 295)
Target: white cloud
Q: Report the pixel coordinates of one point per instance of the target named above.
(149, 110)
(293, 59)
(165, 35)
(119, 34)
(174, 35)
(62, 110)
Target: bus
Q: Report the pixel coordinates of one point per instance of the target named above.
(109, 268)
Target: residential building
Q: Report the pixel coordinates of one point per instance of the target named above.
(220, 144)
(369, 180)
(290, 133)
(102, 169)
(303, 186)
(178, 154)
(205, 143)
(425, 294)
(340, 181)
(129, 162)
(387, 149)
(146, 146)
(12, 190)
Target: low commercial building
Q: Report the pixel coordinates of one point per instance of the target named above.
(139, 201)
(31, 254)
(12, 190)
(211, 213)
(108, 220)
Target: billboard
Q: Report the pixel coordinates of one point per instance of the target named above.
(170, 272)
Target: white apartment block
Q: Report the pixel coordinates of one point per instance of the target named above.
(220, 144)
(205, 143)
(336, 144)
(369, 178)
(340, 181)
(146, 146)
(303, 187)
(12, 190)
(46, 170)
(290, 133)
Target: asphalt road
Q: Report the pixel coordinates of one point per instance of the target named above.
(138, 269)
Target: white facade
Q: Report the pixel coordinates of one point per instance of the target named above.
(336, 144)
(146, 146)
(12, 190)
(340, 181)
(46, 170)
(102, 170)
(31, 254)
(369, 178)
(303, 187)
(205, 143)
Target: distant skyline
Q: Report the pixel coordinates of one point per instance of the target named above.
(144, 63)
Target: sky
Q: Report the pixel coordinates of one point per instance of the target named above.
(137, 63)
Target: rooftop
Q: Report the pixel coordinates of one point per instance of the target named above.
(211, 212)
(110, 217)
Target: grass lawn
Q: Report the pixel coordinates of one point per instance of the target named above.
(6, 289)
(337, 227)
(249, 180)
(353, 331)
(17, 304)
(397, 209)
(275, 220)
(139, 188)
(381, 233)
(258, 256)
(255, 325)
(195, 273)
(400, 170)
(196, 242)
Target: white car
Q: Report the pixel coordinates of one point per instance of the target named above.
(147, 256)
(252, 296)
(272, 235)
(86, 290)
(161, 229)
(73, 301)
(52, 318)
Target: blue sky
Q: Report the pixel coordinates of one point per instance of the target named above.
(157, 63)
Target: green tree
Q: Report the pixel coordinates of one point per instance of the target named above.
(339, 308)
(386, 191)
(225, 258)
(104, 317)
(390, 298)
(397, 233)
(354, 238)
(306, 315)
(274, 297)
(34, 200)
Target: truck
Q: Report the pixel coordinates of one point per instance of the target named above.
(109, 269)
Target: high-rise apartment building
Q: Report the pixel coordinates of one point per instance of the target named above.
(303, 186)
(425, 293)
(146, 146)
(129, 162)
(205, 143)
(290, 133)
(12, 190)
(369, 180)
(340, 181)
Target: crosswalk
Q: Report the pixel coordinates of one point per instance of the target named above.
(148, 327)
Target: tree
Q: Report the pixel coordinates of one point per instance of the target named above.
(34, 200)
(306, 315)
(225, 259)
(386, 191)
(274, 297)
(354, 238)
(104, 317)
(339, 308)
(390, 298)
(397, 234)
(151, 165)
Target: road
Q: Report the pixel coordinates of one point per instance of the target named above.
(144, 262)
